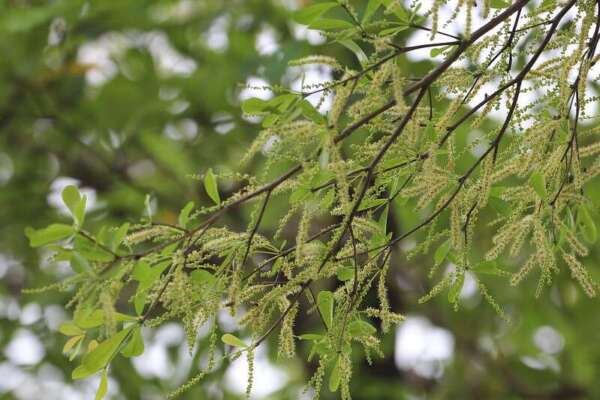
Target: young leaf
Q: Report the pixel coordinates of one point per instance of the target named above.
(99, 358)
(371, 203)
(456, 289)
(91, 251)
(397, 9)
(92, 345)
(148, 207)
(77, 348)
(233, 340)
(371, 8)
(184, 215)
(87, 318)
(70, 329)
(135, 346)
(499, 4)
(501, 206)
(587, 225)
(442, 252)
(103, 388)
(436, 51)
(360, 328)
(334, 378)
(356, 49)
(79, 211)
(144, 273)
(117, 239)
(307, 15)
(210, 185)
(547, 4)
(92, 319)
(74, 202)
(254, 105)
(73, 340)
(203, 277)
(80, 264)
(488, 267)
(310, 112)
(310, 336)
(538, 183)
(345, 273)
(50, 234)
(328, 24)
(71, 196)
(392, 31)
(325, 305)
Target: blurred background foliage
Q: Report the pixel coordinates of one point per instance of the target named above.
(130, 98)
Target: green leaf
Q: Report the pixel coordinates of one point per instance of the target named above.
(69, 344)
(499, 4)
(79, 263)
(282, 102)
(300, 194)
(70, 329)
(361, 328)
(50, 234)
(77, 348)
(148, 206)
(99, 358)
(383, 218)
(327, 200)
(538, 184)
(356, 49)
(233, 340)
(436, 51)
(345, 273)
(442, 252)
(310, 112)
(587, 225)
(184, 215)
(334, 378)
(139, 301)
(397, 9)
(371, 8)
(135, 346)
(548, 4)
(456, 289)
(371, 203)
(322, 348)
(309, 14)
(203, 277)
(74, 202)
(119, 236)
(79, 211)
(254, 106)
(146, 275)
(392, 31)
(210, 185)
(87, 319)
(310, 336)
(103, 388)
(325, 304)
(488, 267)
(90, 250)
(329, 24)
(501, 206)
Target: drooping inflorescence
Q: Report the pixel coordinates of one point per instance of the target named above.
(515, 81)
